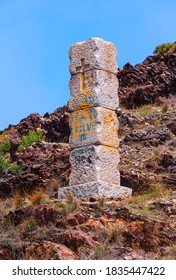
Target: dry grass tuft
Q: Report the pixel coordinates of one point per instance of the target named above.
(146, 110)
(38, 197)
(71, 204)
(111, 233)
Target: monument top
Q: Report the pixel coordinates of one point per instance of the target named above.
(94, 53)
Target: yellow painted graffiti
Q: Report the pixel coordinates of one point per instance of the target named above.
(83, 123)
(110, 129)
(84, 98)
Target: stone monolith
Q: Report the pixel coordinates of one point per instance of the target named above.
(93, 122)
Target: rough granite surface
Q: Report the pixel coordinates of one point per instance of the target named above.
(93, 120)
(93, 88)
(93, 163)
(95, 189)
(97, 54)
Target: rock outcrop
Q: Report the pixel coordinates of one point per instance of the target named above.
(149, 81)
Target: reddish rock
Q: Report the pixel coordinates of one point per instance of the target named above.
(44, 163)
(11, 249)
(106, 219)
(143, 233)
(56, 125)
(91, 225)
(74, 219)
(134, 180)
(32, 122)
(75, 239)
(43, 214)
(47, 250)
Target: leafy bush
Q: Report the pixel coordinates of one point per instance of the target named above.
(5, 147)
(16, 169)
(4, 164)
(165, 48)
(30, 138)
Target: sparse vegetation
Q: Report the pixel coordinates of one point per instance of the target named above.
(16, 169)
(4, 164)
(102, 252)
(145, 110)
(169, 253)
(111, 233)
(157, 191)
(165, 48)
(165, 108)
(37, 197)
(30, 138)
(7, 165)
(4, 147)
(70, 205)
(101, 201)
(140, 204)
(30, 225)
(156, 154)
(19, 202)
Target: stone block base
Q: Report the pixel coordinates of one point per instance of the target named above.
(95, 189)
(94, 164)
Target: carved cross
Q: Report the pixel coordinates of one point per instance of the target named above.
(83, 67)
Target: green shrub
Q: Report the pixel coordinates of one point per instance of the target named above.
(5, 147)
(16, 169)
(4, 164)
(165, 48)
(30, 138)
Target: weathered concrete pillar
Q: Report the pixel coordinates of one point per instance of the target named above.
(93, 121)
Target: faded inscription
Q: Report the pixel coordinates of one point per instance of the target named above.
(82, 123)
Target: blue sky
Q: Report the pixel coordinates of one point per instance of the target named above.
(35, 36)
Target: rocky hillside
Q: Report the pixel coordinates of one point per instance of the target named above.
(148, 82)
(34, 163)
